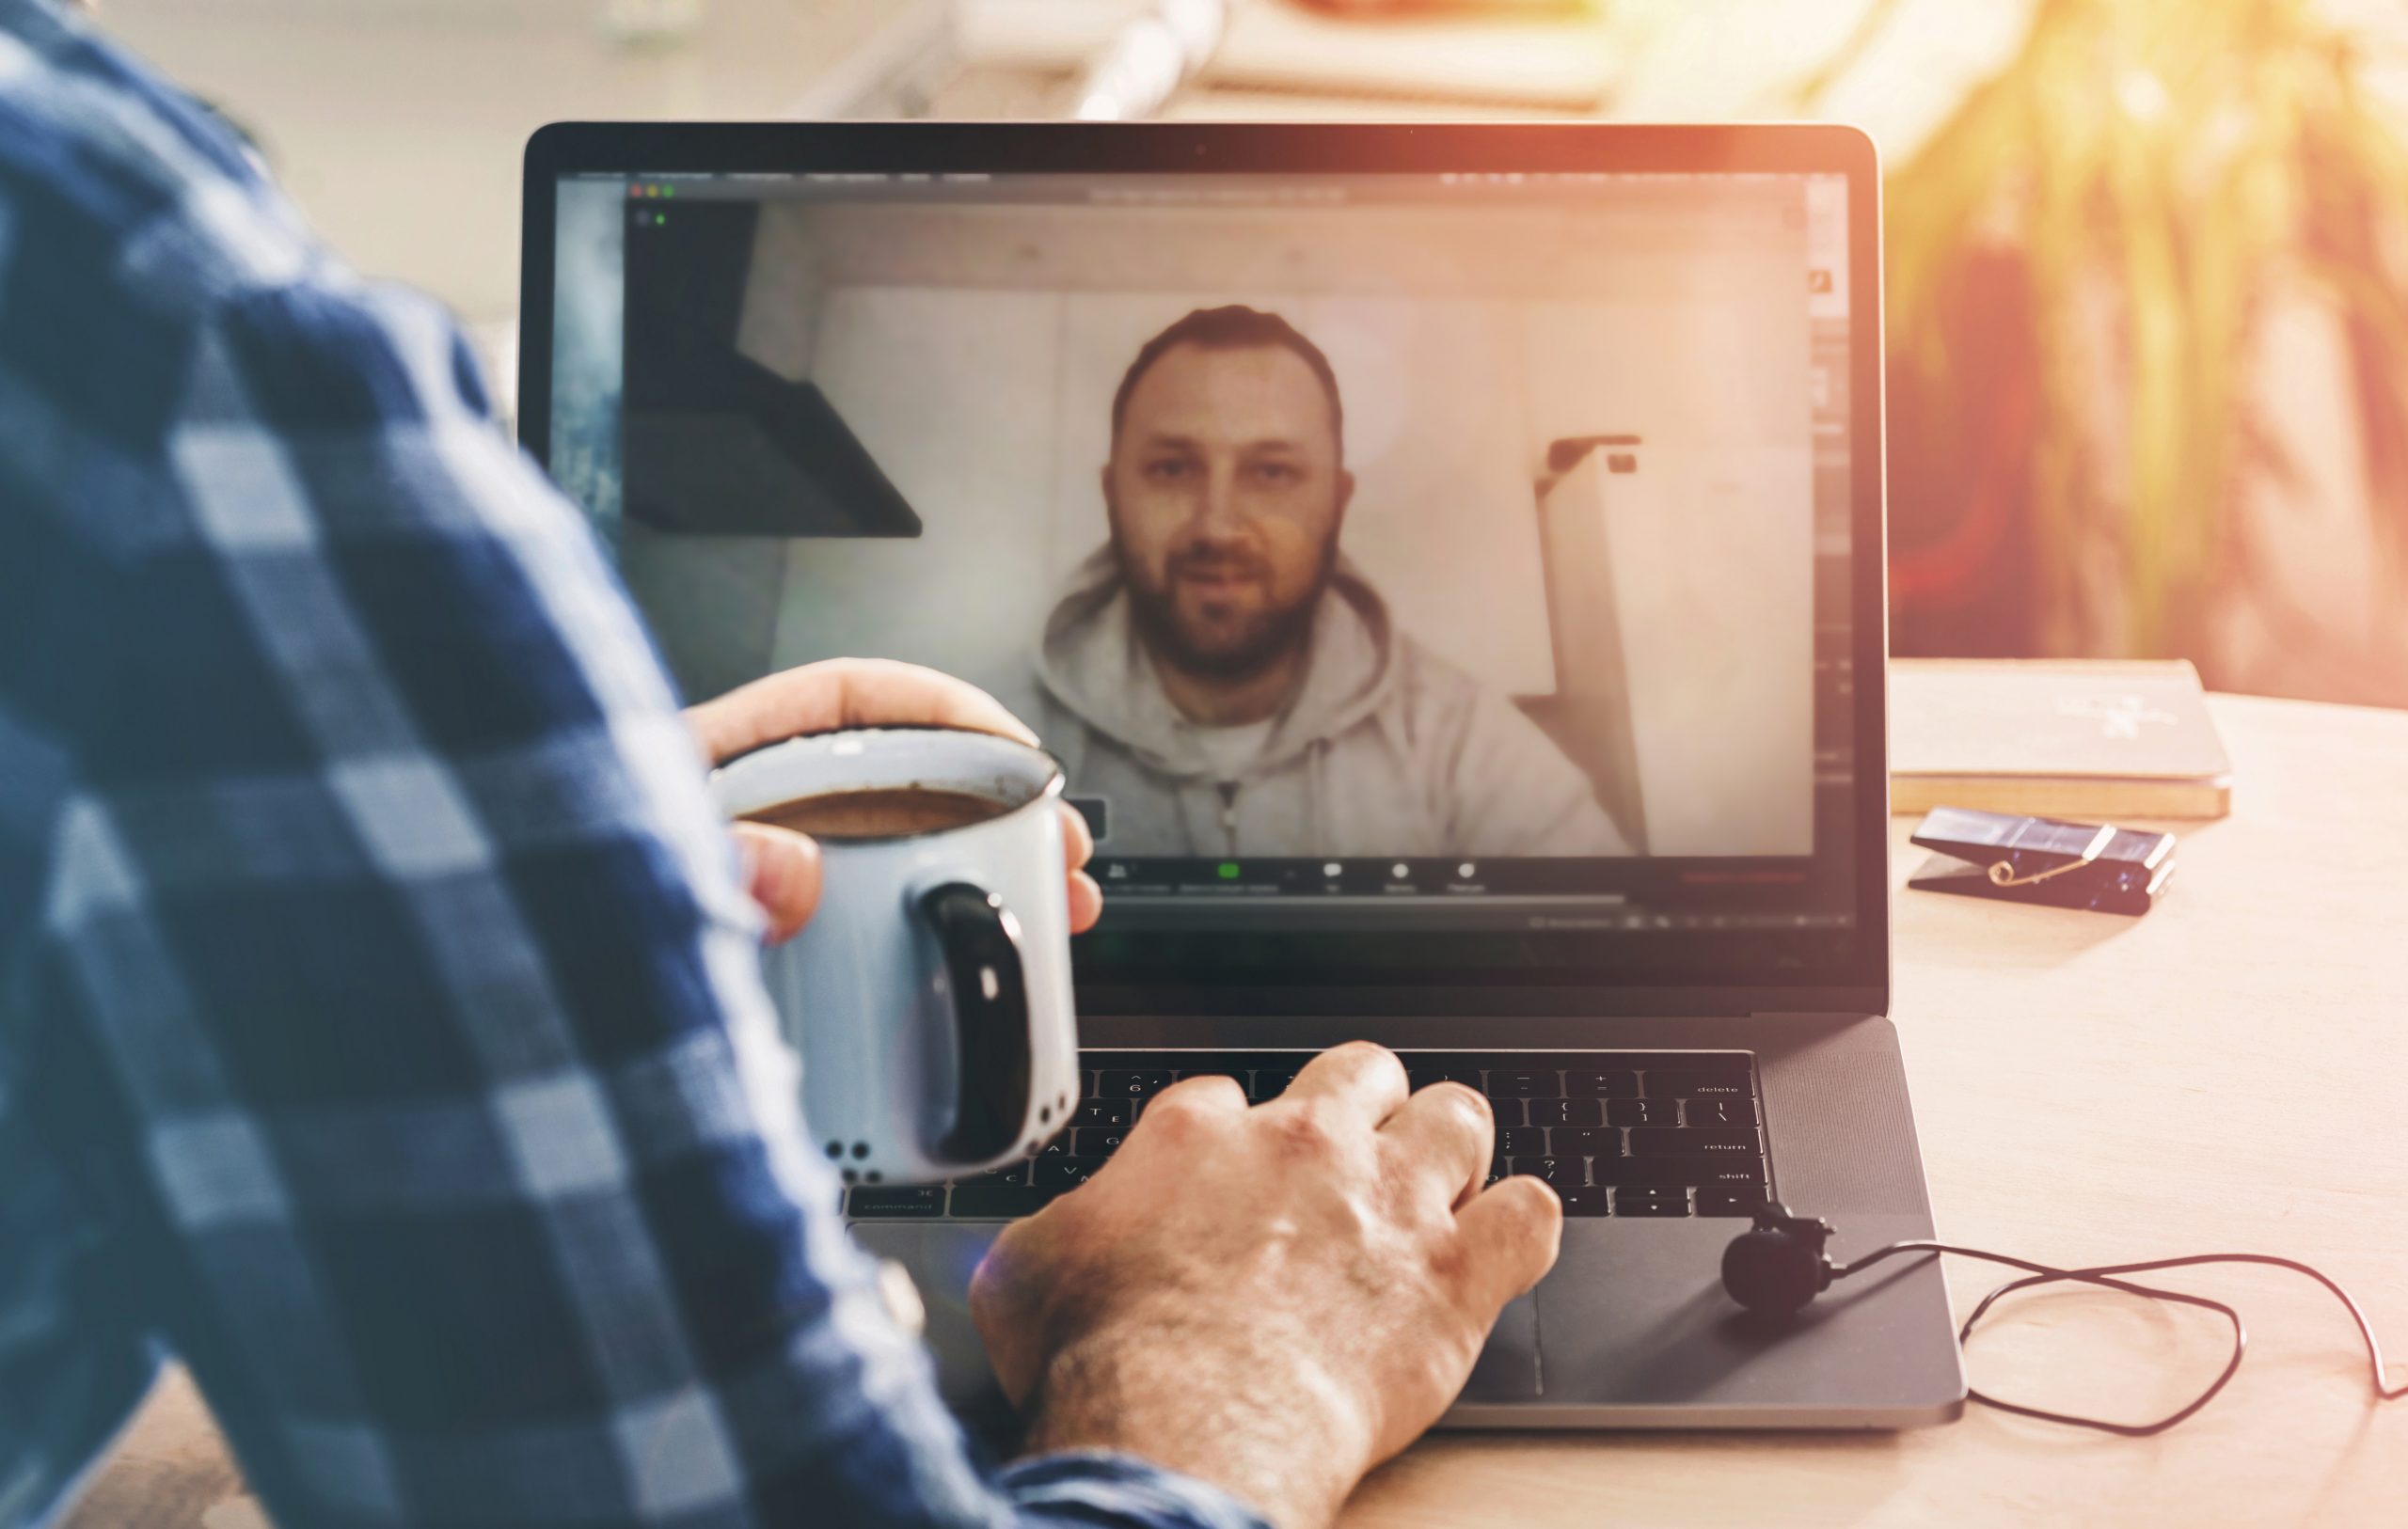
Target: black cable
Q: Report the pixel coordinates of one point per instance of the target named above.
(2104, 1275)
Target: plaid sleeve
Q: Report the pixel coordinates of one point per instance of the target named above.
(401, 1026)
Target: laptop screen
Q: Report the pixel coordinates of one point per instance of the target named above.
(1437, 574)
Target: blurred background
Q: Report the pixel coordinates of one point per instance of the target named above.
(2148, 259)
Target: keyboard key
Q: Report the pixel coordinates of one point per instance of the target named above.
(1729, 1171)
(1524, 1084)
(1560, 1172)
(1734, 1172)
(1270, 1082)
(1087, 1081)
(1093, 1113)
(1587, 1143)
(1728, 1202)
(1421, 1075)
(1066, 1172)
(1521, 1142)
(1497, 1168)
(1705, 1141)
(1508, 1113)
(1651, 1203)
(1583, 1202)
(1059, 1146)
(1688, 1085)
(1643, 1112)
(896, 1200)
(1637, 1170)
(996, 1202)
(1099, 1142)
(1600, 1083)
(1010, 1173)
(1715, 1112)
(1566, 1112)
(1131, 1082)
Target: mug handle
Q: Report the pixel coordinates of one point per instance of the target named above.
(993, 1047)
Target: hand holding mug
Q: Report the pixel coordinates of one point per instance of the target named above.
(782, 867)
(929, 997)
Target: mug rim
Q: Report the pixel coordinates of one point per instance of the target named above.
(1056, 777)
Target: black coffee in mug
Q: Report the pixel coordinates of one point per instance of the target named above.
(880, 812)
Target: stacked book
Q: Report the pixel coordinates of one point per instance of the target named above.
(2094, 740)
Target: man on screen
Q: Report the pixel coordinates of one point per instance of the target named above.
(1228, 683)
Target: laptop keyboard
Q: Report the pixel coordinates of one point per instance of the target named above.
(1618, 1133)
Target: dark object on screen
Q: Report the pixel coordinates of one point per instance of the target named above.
(1565, 454)
(2096, 867)
(712, 443)
(783, 463)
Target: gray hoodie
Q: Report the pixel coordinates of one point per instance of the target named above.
(1386, 750)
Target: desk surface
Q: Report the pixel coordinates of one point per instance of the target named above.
(2222, 1074)
(2219, 1075)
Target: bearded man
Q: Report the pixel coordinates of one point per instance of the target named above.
(1229, 684)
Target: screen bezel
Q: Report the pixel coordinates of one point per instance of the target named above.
(1857, 985)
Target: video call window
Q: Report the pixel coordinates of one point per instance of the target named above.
(1337, 537)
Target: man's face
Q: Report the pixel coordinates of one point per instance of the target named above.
(1226, 494)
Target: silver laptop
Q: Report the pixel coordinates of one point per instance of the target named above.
(1448, 562)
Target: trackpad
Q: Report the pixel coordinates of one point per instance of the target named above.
(1508, 1369)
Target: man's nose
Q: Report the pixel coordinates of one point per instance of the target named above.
(1220, 510)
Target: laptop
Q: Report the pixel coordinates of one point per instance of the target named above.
(1448, 560)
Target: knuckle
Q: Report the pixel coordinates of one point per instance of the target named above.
(1183, 1106)
(1468, 1102)
(1167, 1114)
(1191, 1092)
(1368, 1054)
(1306, 1130)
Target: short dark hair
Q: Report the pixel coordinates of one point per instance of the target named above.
(1235, 327)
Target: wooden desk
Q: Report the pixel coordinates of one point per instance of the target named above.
(2230, 1072)
(2224, 1073)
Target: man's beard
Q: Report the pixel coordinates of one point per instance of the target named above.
(1267, 636)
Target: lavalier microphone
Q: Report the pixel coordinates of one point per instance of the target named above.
(1779, 1266)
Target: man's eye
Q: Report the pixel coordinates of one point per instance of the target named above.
(1169, 467)
(1279, 473)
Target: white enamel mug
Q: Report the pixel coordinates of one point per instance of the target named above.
(930, 996)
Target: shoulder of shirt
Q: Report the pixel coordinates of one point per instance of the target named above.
(94, 140)
(1426, 677)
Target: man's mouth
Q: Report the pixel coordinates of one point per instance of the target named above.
(1216, 578)
(1224, 583)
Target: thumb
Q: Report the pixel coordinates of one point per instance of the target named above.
(782, 872)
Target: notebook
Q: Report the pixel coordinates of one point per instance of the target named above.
(2079, 738)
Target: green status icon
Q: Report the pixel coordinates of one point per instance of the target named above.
(1228, 870)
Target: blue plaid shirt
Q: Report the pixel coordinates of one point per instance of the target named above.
(381, 1028)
